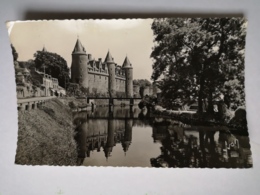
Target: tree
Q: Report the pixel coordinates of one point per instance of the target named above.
(196, 56)
(27, 64)
(73, 89)
(142, 82)
(54, 65)
(14, 52)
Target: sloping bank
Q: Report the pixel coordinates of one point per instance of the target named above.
(46, 136)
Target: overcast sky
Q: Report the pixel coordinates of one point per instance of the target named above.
(131, 37)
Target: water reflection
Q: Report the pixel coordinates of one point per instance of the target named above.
(184, 147)
(125, 138)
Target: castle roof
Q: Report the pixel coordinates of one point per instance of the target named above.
(44, 49)
(125, 145)
(98, 64)
(79, 49)
(127, 63)
(109, 58)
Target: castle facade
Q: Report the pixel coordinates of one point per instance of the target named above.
(104, 77)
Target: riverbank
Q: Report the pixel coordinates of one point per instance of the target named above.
(80, 104)
(46, 135)
(235, 122)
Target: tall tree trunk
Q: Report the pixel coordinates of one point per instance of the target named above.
(210, 99)
(200, 99)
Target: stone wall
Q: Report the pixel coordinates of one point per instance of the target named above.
(120, 85)
(98, 83)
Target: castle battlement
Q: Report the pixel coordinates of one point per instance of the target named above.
(101, 76)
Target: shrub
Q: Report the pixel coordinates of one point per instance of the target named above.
(49, 111)
(72, 105)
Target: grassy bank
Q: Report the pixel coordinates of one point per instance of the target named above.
(46, 136)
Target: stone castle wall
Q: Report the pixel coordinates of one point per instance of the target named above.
(79, 70)
(98, 83)
(100, 78)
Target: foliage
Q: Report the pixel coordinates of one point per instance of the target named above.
(49, 111)
(72, 105)
(54, 65)
(36, 83)
(84, 90)
(142, 82)
(120, 94)
(73, 89)
(197, 58)
(14, 52)
(27, 64)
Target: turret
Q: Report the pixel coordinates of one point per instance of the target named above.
(44, 49)
(127, 135)
(79, 65)
(127, 66)
(111, 71)
(110, 142)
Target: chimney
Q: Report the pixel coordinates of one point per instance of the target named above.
(100, 59)
(89, 56)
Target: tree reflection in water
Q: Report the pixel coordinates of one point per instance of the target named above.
(200, 148)
(181, 145)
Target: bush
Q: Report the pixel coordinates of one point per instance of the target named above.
(72, 105)
(49, 111)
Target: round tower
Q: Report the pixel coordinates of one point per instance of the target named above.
(110, 142)
(127, 135)
(127, 66)
(112, 74)
(79, 65)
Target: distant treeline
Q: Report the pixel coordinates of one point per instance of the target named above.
(142, 82)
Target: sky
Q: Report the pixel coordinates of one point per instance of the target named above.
(131, 37)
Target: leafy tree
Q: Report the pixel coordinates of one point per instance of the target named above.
(196, 56)
(54, 65)
(27, 64)
(73, 89)
(14, 52)
(142, 82)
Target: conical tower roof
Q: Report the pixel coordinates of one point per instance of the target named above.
(79, 49)
(127, 63)
(125, 145)
(44, 49)
(109, 58)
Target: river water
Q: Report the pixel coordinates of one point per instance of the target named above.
(135, 139)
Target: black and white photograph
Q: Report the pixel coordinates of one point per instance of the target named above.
(158, 92)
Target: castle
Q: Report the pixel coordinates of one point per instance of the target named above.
(100, 77)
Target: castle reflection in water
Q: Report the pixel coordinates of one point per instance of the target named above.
(180, 145)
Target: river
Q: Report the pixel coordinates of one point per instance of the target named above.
(135, 139)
